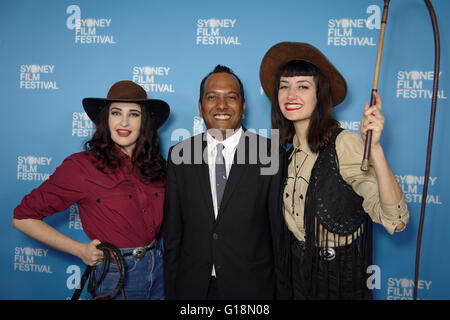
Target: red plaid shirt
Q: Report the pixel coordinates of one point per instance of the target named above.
(114, 207)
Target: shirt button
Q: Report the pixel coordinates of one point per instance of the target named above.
(215, 236)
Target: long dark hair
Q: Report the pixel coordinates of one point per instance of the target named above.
(322, 122)
(147, 157)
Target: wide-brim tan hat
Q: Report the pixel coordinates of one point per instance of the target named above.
(128, 91)
(284, 52)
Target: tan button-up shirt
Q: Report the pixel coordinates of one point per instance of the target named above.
(349, 149)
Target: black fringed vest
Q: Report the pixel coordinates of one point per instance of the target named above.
(334, 211)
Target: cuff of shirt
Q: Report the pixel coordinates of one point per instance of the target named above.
(395, 215)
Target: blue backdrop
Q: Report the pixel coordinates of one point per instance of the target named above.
(55, 53)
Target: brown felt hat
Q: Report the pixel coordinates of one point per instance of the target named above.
(128, 91)
(284, 52)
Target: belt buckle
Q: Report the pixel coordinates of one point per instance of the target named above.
(327, 254)
(139, 252)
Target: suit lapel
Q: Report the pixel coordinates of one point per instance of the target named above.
(236, 174)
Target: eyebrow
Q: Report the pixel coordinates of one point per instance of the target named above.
(219, 91)
(120, 109)
(299, 81)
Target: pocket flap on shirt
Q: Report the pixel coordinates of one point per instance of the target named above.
(106, 186)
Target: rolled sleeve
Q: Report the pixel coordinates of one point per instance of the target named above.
(60, 191)
(349, 148)
(394, 215)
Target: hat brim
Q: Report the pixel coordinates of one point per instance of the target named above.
(159, 108)
(284, 52)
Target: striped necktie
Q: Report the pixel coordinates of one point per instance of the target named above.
(221, 174)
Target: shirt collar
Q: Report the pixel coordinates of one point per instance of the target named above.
(300, 147)
(123, 156)
(229, 144)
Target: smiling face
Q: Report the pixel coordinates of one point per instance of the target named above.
(124, 122)
(297, 98)
(221, 105)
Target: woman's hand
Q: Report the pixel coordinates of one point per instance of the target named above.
(90, 254)
(373, 120)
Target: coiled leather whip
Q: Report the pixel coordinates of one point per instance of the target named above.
(109, 250)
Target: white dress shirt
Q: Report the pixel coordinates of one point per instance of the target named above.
(230, 145)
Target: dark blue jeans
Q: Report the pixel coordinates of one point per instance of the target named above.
(143, 279)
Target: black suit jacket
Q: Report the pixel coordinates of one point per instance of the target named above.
(240, 242)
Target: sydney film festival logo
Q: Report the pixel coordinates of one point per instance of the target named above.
(37, 77)
(153, 78)
(354, 32)
(82, 126)
(88, 30)
(27, 259)
(412, 187)
(417, 84)
(32, 168)
(74, 218)
(403, 288)
(217, 32)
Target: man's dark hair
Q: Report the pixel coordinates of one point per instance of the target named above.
(221, 69)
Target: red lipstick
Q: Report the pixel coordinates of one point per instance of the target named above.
(123, 132)
(290, 106)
